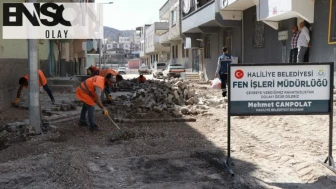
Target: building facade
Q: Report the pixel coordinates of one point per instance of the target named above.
(173, 37)
(55, 58)
(207, 30)
(142, 33)
(154, 50)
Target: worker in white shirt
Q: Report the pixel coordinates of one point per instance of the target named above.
(303, 42)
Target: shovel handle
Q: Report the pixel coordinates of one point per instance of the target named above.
(113, 122)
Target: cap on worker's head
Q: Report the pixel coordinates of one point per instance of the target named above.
(225, 49)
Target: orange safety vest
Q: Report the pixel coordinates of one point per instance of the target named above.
(105, 72)
(42, 79)
(86, 93)
(142, 80)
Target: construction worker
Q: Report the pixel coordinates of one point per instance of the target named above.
(222, 68)
(93, 70)
(23, 82)
(141, 79)
(104, 72)
(89, 92)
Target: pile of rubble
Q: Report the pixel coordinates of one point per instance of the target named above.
(175, 97)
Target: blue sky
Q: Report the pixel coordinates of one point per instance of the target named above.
(128, 14)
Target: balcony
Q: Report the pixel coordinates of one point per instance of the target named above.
(277, 10)
(164, 39)
(156, 47)
(204, 18)
(165, 10)
(236, 5)
(160, 27)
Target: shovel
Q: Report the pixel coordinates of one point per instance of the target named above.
(120, 135)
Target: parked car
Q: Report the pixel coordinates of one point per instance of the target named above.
(173, 70)
(158, 69)
(144, 70)
(122, 70)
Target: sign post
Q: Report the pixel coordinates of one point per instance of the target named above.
(281, 89)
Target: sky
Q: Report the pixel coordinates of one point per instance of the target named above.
(129, 14)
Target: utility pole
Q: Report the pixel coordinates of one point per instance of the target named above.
(34, 92)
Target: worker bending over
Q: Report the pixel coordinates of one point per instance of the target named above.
(23, 81)
(104, 72)
(93, 70)
(89, 92)
(141, 79)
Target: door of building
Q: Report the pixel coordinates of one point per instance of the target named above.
(195, 60)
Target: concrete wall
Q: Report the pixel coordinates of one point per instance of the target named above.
(272, 50)
(321, 51)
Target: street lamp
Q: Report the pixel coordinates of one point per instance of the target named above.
(99, 41)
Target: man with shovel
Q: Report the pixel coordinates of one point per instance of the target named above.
(89, 92)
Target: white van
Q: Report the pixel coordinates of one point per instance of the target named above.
(158, 69)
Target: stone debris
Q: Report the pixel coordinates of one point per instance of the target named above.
(175, 97)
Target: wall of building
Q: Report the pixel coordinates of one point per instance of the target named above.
(321, 51)
(272, 50)
(14, 64)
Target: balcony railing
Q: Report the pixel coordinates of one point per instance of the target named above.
(164, 38)
(194, 8)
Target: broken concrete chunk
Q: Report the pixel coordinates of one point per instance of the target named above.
(190, 102)
(184, 111)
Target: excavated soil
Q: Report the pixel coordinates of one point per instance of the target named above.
(267, 152)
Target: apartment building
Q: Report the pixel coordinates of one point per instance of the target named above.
(142, 33)
(154, 50)
(173, 38)
(264, 34)
(207, 31)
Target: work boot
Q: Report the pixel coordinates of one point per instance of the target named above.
(94, 128)
(83, 124)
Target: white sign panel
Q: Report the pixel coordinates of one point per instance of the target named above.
(52, 21)
(259, 89)
(283, 35)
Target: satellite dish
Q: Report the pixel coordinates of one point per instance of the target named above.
(223, 3)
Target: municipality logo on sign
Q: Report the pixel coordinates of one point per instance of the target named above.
(52, 21)
(321, 73)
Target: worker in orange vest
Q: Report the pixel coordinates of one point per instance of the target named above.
(93, 70)
(104, 72)
(23, 81)
(89, 92)
(141, 79)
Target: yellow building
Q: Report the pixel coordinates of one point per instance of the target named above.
(56, 58)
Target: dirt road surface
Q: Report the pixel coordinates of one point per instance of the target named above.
(268, 152)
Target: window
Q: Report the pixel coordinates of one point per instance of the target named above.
(173, 52)
(176, 51)
(183, 51)
(173, 17)
(207, 46)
